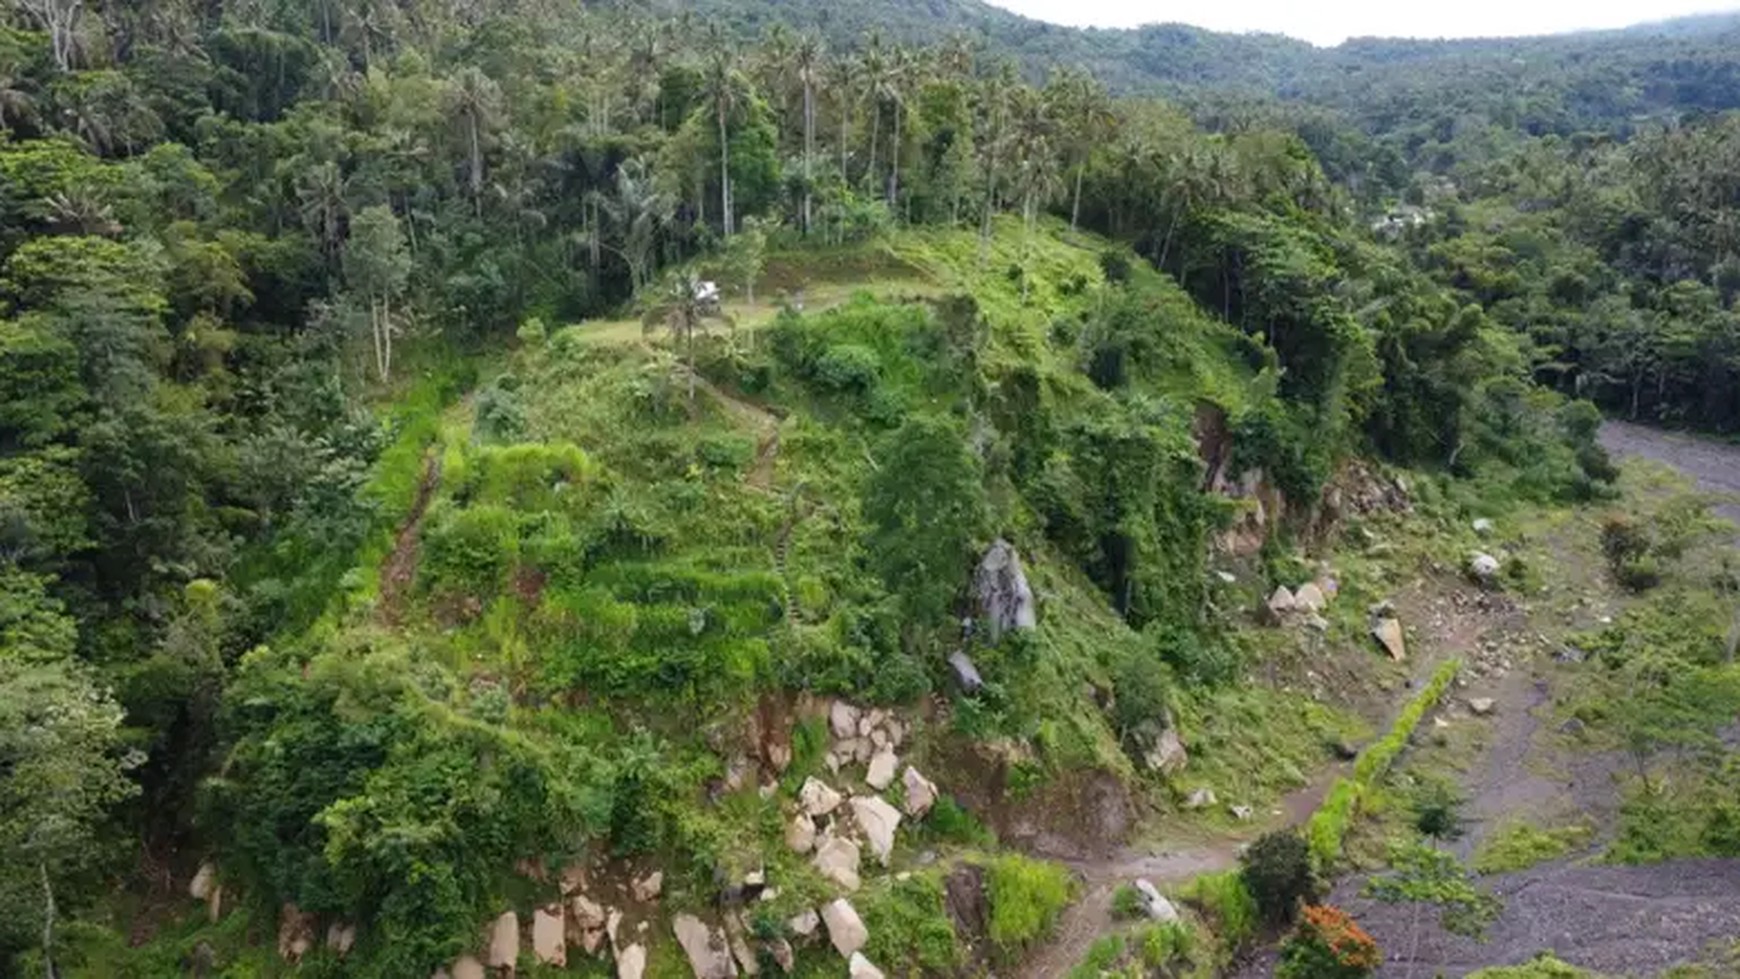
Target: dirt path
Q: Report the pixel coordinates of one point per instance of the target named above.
(400, 567)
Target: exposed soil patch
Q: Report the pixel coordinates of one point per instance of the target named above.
(1713, 465)
(400, 567)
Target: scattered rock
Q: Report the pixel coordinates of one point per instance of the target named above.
(837, 859)
(800, 833)
(1572, 727)
(1329, 585)
(1343, 749)
(1155, 903)
(630, 962)
(833, 762)
(1481, 706)
(735, 933)
(1483, 526)
(1227, 577)
(1002, 590)
(804, 924)
(782, 953)
(879, 821)
(883, 765)
(920, 793)
(295, 933)
(966, 674)
(860, 968)
(709, 954)
(1483, 567)
(504, 941)
(467, 967)
(843, 719)
(1316, 623)
(203, 883)
(549, 939)
(340, 938)
(845, 929)
(1440, 723)
(572, 879)
(1201, 798)
(1241, 813)
(817, 799)
(1168, 756)
(1388, 633)
(587, 912)
(896, 732)
(1281, 602)
(1309, 598)
(649, 888)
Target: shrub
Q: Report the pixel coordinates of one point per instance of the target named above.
(1128, 903)
(1225, 899)
(847, 368)
(471, 550)
(1026, 896)
(909, 924)
(1328, 944)
(1277, 871)
(1519, 846)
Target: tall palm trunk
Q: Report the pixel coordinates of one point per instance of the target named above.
(1075, 208)
(894, 163)
(875, 131)
(476, 168)
(724, 173)
(809, 147)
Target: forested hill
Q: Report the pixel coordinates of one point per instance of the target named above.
(1562, 83)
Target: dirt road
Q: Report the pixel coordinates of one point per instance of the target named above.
(1713, 464)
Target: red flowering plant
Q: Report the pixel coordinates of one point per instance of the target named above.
(1328, 944)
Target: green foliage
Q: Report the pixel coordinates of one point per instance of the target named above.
(910, 928)
(1420, 872)
(1328, 826)
(925, 503)
(1128, 903)
(1229, 904)
(1026, 896)
(1520, 845)
(1328, 944)
(1545, 966)
(1277, 871)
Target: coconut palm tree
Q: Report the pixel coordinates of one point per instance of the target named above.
(475, 101)
(724, 91)
(1085, 111)
(638, 210)
(684, 311)
(808, 61)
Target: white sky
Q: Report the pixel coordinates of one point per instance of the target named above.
(1332, 21)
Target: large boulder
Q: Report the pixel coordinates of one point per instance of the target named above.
(817, 799)
(709, 953)
(920, 793)
(883, 765)
(630, 962)
(800, 833)
(203, 883)
(966, 674)
(1388, 632)
(859, 967)
(649, 888)
(340, 938)
(1168, 756)
(504, 941)
(549, 936)
(804, 923)
(1001, 587)
(1310, 598)
(467, 967)
(837, 859)
(1155, 903)
(1483, 566)
(879, 821)
(738, 936)
(843, 719)
(845, 929)
(295, 933)
(1281, 602)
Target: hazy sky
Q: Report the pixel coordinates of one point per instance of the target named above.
(1332, 21)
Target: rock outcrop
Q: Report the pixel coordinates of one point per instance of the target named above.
(708, 952)
(859, 967)
(504, 942)
(845, 929)
(550, 936)
(883, 765)
(1387, 630)
(1000, 585)
(920, 793)
(837, 859)
(817, 799)
(800, 833)
(879, 821)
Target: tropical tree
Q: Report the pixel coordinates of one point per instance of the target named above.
(809, 59)
(684, 311)
(638, 211)
(1085, 111)
(475, 102)
(724, 92)
(376, 269)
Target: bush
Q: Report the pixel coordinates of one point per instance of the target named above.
(1328, 944)
(1026, 896)
(471, 550)
(847, 368)
(1128, 903)
(1227, 902)
(1277, 871)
